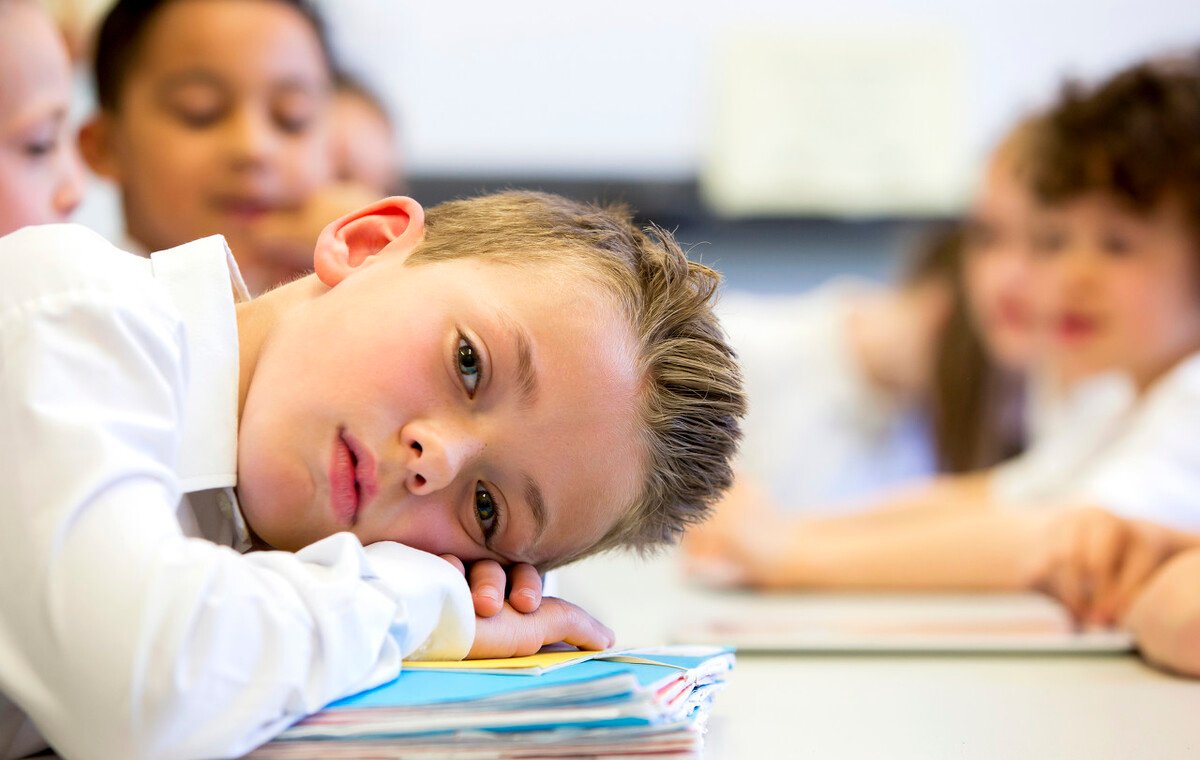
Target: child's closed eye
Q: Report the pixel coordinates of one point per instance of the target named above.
(198, 104)
(41, 141)
(294, 114)
(39, 149)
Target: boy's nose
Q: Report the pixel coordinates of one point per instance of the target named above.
(69, 192)
(435, 457)
(251, 137)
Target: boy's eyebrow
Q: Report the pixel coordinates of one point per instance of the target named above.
(526, 376)
(190, 76)
(537, 505)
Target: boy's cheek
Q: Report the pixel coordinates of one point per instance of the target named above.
(430, 527)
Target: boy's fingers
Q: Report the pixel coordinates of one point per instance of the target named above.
(487, 578)
(526, 585)
(458, 563)
(569, 623)
(514, 634)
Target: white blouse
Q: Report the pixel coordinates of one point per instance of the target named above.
(1135, 456)
(130, 624)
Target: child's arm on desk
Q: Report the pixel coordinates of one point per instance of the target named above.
(1165, 618)
(1093, 561)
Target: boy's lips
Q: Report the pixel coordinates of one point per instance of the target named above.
(352, 481)
(245, 208)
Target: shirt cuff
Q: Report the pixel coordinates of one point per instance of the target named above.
(435, 615)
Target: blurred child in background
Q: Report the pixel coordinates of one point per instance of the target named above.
(1116, 287)
(364, 161)
(41, 180)
(871, 388)
(212, 119)
(848, 379)
(362, 139)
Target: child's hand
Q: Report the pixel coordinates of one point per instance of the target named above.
(510, 633)
(737, 546)
(1095, 562)
(488, 579)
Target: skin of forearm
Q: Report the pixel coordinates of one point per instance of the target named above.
(945, 497)
(980, 549)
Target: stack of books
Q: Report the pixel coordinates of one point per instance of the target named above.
(595, 704)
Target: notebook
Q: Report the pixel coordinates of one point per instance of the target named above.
(894, 623)
(646, 700)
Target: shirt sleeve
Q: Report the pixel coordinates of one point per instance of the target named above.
(1153, 472)
(121, 637)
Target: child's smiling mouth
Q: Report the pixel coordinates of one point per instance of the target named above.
(1074, 327)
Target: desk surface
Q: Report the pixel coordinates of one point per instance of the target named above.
(905, 706)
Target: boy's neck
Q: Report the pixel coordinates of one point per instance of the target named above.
(256, 319)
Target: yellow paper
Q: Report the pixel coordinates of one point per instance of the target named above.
(541, 660)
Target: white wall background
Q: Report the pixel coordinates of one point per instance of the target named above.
(624, 87)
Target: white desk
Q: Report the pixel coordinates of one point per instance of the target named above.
(867, 706)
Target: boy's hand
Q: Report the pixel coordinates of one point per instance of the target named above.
(1095, 562)
(510, 633)
(488, 580)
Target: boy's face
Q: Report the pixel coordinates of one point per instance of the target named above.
(361, 145)
(1118, 290)
(462, 407)
(220, 123)
(998, 267)
(40, 174)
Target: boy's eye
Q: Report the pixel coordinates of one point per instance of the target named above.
(198, 118)
(485, 510)
(197, 104)
(293, 112)
(469, 366)
(292, 126)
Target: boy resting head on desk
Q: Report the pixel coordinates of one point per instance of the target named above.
(515, 379)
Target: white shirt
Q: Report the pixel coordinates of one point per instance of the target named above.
(1137, 457)
(818, 434)
(130, 627)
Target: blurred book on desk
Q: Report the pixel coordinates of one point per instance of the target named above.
(893, 623)
(609, 704)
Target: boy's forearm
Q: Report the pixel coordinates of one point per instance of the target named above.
(980, 549)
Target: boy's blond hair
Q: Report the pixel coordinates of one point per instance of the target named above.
(692, 397)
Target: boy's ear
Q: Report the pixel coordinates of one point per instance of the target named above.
(395, 223)
(95, 145)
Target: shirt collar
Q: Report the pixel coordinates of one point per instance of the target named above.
(204, 283)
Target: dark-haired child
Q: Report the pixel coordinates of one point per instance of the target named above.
(212, 120)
